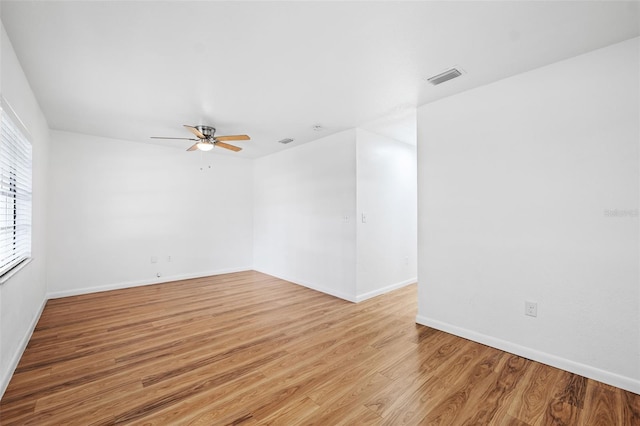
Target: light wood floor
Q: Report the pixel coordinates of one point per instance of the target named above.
(249, 349)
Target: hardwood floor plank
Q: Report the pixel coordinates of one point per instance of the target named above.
(291, 413)
(416, 392)
(308, 382)
(600, 401)
(575, 391)
(560, 411)
(358, 415)
(339, 408)
(428, 355)
(18, 412)
(250, 349)
(630, 407)
(188, 391)
(530, 400)
(513, 421)
(204, 401)
(225, 370)
(455, 404)
(485, 409)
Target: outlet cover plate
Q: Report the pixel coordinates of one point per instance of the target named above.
(531, 309)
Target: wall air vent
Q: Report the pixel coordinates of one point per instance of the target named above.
(445, 76)
(285, 141)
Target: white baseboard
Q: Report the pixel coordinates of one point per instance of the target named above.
(377, 292)
(588, 371)
(332, 292)
(312, 286)
(15, 359)
(129, 284)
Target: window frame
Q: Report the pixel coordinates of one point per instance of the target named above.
(24, 259)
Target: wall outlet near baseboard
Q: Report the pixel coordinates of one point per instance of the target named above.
(531, 309)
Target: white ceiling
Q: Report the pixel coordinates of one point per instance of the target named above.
(135, 69)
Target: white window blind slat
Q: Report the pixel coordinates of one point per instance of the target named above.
(15, 194)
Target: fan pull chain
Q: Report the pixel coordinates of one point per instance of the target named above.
(201, 162)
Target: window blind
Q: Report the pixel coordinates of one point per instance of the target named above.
(15, 193)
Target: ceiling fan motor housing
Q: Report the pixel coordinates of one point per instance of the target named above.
(207, 131)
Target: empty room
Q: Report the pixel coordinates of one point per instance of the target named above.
(310, 212)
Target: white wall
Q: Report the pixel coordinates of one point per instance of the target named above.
(515, 179)
(386, 195)
(115, 204)
(308, 207)
(302, 197)
(22, 297)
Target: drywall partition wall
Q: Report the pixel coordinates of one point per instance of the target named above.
(528, 191)
(121, 212)
(22, 297)
(387, 214)
(304, 208)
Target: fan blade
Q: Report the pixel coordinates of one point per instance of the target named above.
(227, 146)
(186, 139)
(233, 138)
(194, 147)
(195, 132)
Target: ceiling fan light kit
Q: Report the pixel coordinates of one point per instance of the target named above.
(204, 146)
(207, 139)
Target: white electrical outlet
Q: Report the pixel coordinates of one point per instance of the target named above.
(154, 259)
(531, 309)
(168, 258)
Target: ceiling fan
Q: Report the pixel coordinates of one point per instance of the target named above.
(207, 139)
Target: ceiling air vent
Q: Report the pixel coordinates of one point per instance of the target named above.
(285, 141)
(445, 76)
